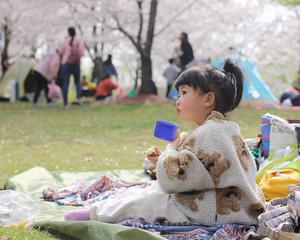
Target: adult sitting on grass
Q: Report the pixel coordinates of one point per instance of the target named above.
(204, 177)
(291, 96)
(105, 88)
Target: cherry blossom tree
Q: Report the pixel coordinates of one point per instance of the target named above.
(142, 34)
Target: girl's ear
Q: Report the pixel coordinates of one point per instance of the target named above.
(209, 99)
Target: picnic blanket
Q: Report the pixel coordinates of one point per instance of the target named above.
(193, 232)
(50, 216)
(85, 194)
(35, 180)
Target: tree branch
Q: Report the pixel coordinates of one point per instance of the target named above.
(171, 21)
(151, 25)
(128, 35)
(141, 21)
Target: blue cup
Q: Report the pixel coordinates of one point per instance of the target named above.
(165, 130)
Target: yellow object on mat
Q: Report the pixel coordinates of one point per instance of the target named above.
(275, 183)
(21, 224)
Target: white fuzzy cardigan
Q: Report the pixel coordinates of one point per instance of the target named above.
(208, 179)
(211, 175)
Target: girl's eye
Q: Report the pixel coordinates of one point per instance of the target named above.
(183, 92)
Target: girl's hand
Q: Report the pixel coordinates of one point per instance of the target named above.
(153, 160)
(152, 154)
(176, 141)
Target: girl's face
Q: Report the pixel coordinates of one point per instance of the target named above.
(194, 106)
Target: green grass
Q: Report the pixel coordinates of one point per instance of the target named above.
(15, 233)
(86, 138)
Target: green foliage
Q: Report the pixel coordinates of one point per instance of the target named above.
(291, 2)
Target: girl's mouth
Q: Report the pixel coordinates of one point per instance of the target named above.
(178, 110)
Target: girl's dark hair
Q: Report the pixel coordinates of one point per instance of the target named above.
(72, 33)
(226, 84)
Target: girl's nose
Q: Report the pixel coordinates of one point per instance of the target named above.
(178, 101)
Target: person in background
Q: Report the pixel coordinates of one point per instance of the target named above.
(84, 82)
(109, 68)
(291, 96)
(171, 73)
(45, 72)
(71, 50)
(105, 88)
(186, 54)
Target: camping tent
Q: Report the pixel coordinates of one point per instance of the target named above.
(254, 86)
(18, 71)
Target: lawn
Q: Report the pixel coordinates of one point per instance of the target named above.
(15, 233)
(91, 137)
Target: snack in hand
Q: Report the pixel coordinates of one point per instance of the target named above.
(152, 152)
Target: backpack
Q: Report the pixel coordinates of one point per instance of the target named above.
(74, 57)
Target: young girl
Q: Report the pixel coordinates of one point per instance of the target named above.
(206, 176)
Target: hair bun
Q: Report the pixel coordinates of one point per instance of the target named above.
(229, 66)
(234, 76)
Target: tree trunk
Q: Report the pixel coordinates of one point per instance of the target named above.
(4, 58)
(97, 70)
(137, 76)
(147, 85)
(4, 55)
(144, 46)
